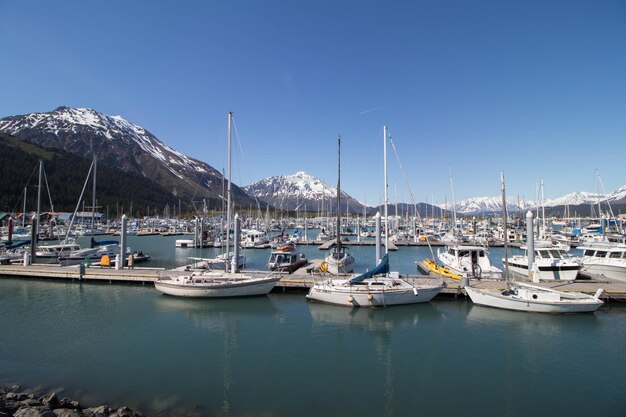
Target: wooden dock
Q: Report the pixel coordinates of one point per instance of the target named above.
(330, 243)
(301, 280)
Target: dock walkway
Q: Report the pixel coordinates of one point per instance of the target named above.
(299, 280)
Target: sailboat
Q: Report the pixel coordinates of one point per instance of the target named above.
(216, 284)
(528, 297)
(377, 287)
(340, 260)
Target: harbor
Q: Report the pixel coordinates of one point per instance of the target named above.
(300, 281)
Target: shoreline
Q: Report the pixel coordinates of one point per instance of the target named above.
(15, 402)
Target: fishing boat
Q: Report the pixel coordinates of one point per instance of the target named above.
(286, 258)
(469, 261)
(528, 297)
(340, 260)
(550, 262)
(216, 284)
(604, 259)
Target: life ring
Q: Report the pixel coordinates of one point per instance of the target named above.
(324, 266)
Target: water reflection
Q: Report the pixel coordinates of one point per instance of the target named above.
(222, 320)
(381, 324)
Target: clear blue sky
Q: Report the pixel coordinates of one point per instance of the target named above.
(534, 88)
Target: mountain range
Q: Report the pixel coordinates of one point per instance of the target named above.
(128, 148)
(125, 146)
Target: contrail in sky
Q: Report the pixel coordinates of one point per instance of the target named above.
(374, 109)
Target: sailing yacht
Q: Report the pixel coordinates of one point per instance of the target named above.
(528, 297)
(375, 288)
(340, 260)
(215, 284)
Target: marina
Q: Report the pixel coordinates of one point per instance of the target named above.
(301, 280)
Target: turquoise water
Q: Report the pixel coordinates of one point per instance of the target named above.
(282, 356)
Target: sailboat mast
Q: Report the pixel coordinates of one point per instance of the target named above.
(35, 229)
(229, 190)
(93, 201)
(506, 231)
(386, 186)
(338, 193)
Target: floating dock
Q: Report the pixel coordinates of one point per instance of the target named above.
(298, 281)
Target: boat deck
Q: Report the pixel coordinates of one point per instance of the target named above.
(300, 280)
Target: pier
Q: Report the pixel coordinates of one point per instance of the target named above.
(300, 280)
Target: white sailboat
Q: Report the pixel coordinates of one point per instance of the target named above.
(528, 297)
(372, 289)
(216, 284)
(340, 260)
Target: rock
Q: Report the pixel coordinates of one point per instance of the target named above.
(39, 411)
(29, 402)
(66, 412)
(52, 401)
(102, 411)
(16, 396)
(67, 403)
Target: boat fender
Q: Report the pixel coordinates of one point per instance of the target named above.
(370, 297)
(350, 298)
(598, 293)
(324, 266)
(415, 291)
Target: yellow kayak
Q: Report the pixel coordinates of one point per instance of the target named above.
(439, 270)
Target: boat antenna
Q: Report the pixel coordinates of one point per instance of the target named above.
(338, 193)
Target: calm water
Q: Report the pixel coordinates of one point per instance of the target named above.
(281, 356)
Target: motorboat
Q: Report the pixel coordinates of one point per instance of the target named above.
(52, 253)
(286, 258)
(551, 263)
(604, 259)
(92, 255)
(469, 261)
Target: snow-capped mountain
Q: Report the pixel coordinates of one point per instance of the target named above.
(301, 191)
(118, 143)
(488, 205)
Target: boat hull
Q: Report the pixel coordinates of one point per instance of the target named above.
(242, 287)
(495, 299)
(355, 296)
(612, 272)
(552, 272)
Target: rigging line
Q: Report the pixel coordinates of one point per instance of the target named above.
(28, 182)
(393, 146)
(243, 157)
(78, 203)
(45, 177)
(604, 191)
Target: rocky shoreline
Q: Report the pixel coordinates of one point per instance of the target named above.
(16, 403)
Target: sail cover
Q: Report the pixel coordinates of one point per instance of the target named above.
(381, 268)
